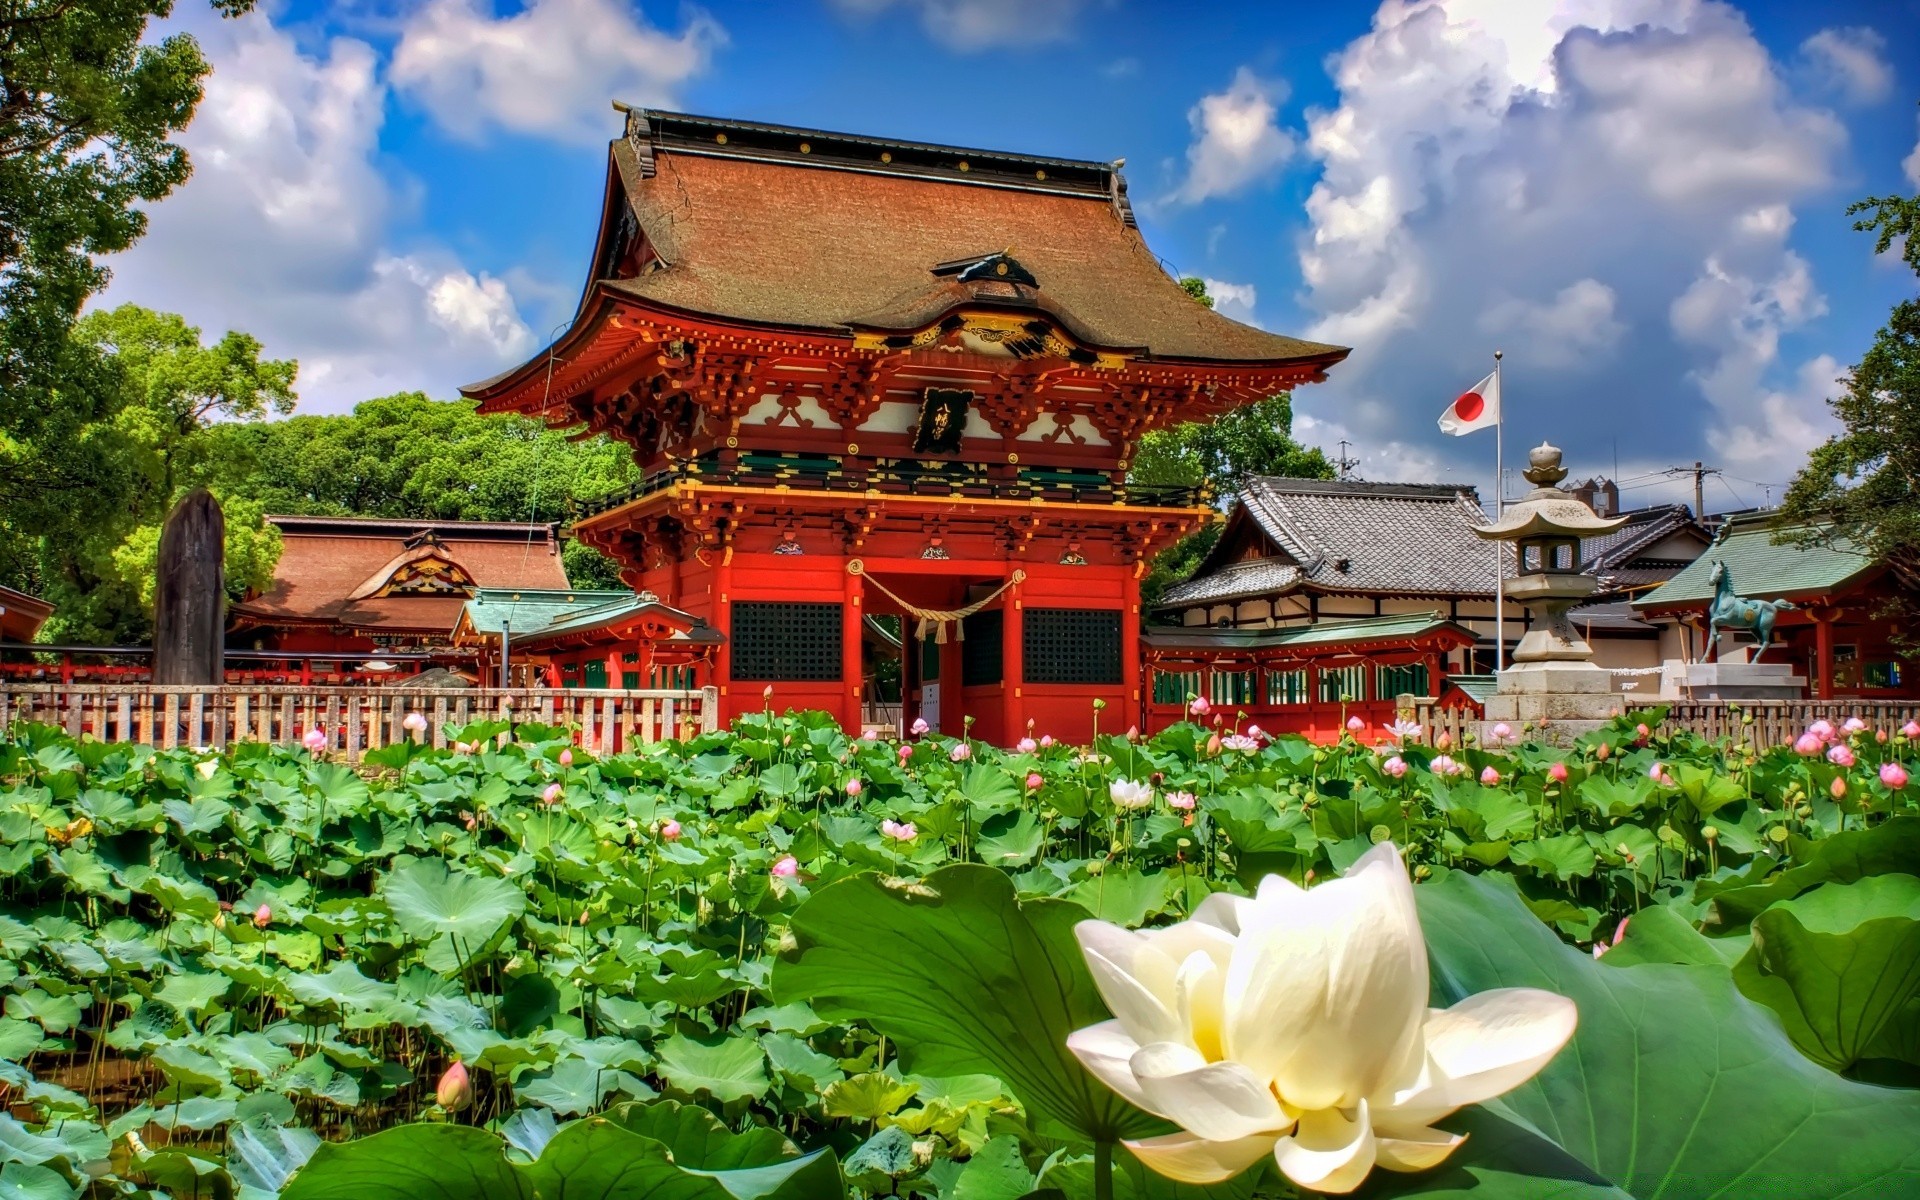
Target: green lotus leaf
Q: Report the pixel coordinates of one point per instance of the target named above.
(1564, 857)
(573, 1086)
(341, 985)
(187, 1067)
(55, 1014)
(699, 1140)
(74, 1145)
(1125, 897)
(263, 1157)
(21, 1181)
(1661, 935)
(799, 1064)
(19, 1038)
(1010, 840)
(429, 900)
(995, 1172)
(867, 1097)
(1891, 847)
(727, 1068)
(884, 1157)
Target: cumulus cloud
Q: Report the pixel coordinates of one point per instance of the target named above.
(1237, 139)
(1849, 62)
(282, 231)
(1911, 165)
(973, 25)
(547, 70)
(1235, 300)
(1604, 189)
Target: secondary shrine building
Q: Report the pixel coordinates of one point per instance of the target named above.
(871, 379)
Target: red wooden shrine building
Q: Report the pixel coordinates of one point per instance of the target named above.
(870, 378)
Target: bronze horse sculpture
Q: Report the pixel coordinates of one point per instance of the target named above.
(1732, 612)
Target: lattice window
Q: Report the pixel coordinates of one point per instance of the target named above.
(1287, 687)
(777, 641)
(1173, 687)
(1231, 687)
(1337, 683)
(1392, 681)
(1071, 645)
(982, 653)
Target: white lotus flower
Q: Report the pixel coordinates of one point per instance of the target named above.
(1129, 794)
(1295, 1023)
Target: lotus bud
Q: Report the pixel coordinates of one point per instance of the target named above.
(870, 735)
(1489, 776)
(1046, 740)
(961, 752)
(669, 831)
(1602, 752)
(919, 728)
(766, 693)
(1026, 745)
(1840, 754)
(787, 867)
(1423, 871)
(1838, 788)
(1355, 725)
(1444, 741)
(315, 740)
(1880, 736)
(552, 793)
(1395, 766)
(1133, 733)
(1557, 772)
(1213, 744)
(1911, 731)
(1642, 732)
(455, 1089)
(414, 722)
(262, 916)
(1853, 725)
(1034, 781)
(1710, 832)
(1200, 706)
(1501, 732)
(220, 920)
(906, 752)
(1893, 775)
(566, 757)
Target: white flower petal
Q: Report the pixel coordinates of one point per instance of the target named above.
(1182, 941)
(1413, 1149)
(1328, 988)
(1134, 979)
(1107, 1049)
(1221, 910)
(1485, 1045)
(1220, 1101)
(1199, 995)
(1329, 1152)
(1189, 1159)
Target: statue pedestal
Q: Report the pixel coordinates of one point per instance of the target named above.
(1741, 681)
(1571, 697)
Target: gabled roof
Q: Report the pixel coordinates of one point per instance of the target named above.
(331, 569)
(803, 229)
(1345, 536)
(540, 617)
(1609, 553)
(1761, 569)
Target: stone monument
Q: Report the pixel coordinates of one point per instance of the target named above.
(1552, 676)
(190, 594)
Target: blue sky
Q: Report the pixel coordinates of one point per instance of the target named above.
(1640, 201)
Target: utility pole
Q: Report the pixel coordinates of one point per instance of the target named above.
(1344, 463)
(1699, 489)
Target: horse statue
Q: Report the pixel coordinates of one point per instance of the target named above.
(1730, 611)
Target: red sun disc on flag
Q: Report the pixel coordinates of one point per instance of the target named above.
(1469, 406)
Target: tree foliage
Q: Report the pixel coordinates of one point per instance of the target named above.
(1863, 484)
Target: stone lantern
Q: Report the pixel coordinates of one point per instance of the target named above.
(1552, 675)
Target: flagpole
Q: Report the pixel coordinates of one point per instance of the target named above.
(1499, 506)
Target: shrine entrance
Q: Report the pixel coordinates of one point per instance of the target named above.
(955, 662)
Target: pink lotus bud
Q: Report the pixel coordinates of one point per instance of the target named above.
(1602, 751)
(1184, 801)
(766, 693)
(566, 757)
(1034, 781)
(871, 735)
(1893, 775)
(1444, 741)
(853, 787)
(1880, 736)
(1395, 766)
(1557, 772)
(1046, 739)
(919, 727)
(1501, 732)
(462, 748)
(899, 831)
(1822, 730)
(262, 916)
(669, 831)
(787, 867)
(315, 740)
(906, 752)
(1807, 745)
(1911, 731)
(1656, 771)
(1642, 732)
(1133, 732)
(1355, 724)
(1838, 788)
(1200, 706)
(1620, 930)
(1213, 744)
(455, 1089)
(1254, 731)
(1854, 725)
(552, 794)
(961, 752)
(1026, 745)
(414, 722)
(1840, 754)
(1489, 776)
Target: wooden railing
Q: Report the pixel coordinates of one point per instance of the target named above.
(355, 719)
(1772, 723)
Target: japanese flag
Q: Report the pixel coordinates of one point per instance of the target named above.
(1477, 408)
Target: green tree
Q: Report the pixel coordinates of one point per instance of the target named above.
(88, 107)
(1863, 484)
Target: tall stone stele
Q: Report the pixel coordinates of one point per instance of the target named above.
(1553, 675)
(190, 594)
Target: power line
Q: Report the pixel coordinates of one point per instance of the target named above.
(1344, 464)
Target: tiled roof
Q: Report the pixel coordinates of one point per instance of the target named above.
(1394, 539)
(324, 561)
(1327, 634)
(1761, 569)
(1613, 616)
(1605, 554)
(539, 616)
(1479, 688)
(749, 228)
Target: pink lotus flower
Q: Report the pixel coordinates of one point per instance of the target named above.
(414, 722)
(1557, 772)
(1034, 781)
(1911, 731)
(1854, 725)
(455, 1089)
(1501, 732)
(854, 786)
(1395, 766)
(1355, 725)
(669, 831)
(1254, 731)
(1444, 765)
(787, 867)
(1026, 745)
(899, 831)
(1619, 931)
(262, 916)
(1822, 730)
(961, 752)
(1046, 739)
(1240, 742)
(1840, 754)
(566, 757)
(315, 740)
(1200, 706)
(871, 735)
(1489, 776)
(552, 794)
(1184, 801)
(919, 727)
(1808, 745)
(1838, 788)
(1893, 775)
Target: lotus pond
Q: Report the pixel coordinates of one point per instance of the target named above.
(776, 963)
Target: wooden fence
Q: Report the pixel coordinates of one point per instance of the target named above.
(356, 719)
(1772, 722)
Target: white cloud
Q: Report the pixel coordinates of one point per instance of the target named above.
(1482, 154)
(1577, 324)
(973, 25)
(1238, 140)
(1911, 165)
(282, 231)
(1235, 300)
(1849, 61)
(547, 70)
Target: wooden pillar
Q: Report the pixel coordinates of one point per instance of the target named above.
(614, 665)
(852, 658)
(1130, 650)
(721, 585)
(1823, 651)
(952, 703)
(1013, 702)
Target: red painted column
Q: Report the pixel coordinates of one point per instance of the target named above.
(852, 660)
(722, 605)
(1131, 650)
(1823, 654)
(1014, 722)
